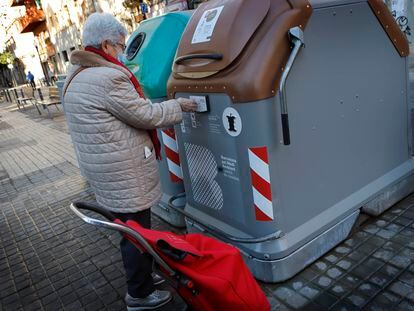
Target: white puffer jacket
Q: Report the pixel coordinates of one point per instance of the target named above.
(108, 121)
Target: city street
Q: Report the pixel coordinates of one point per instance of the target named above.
(51, 260)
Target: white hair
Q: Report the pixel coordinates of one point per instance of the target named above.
(100, 27)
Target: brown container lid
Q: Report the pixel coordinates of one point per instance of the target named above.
(252, 37)
(217, 33)
(393, 31)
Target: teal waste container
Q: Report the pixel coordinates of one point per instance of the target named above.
(150, 53)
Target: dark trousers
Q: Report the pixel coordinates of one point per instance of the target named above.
(138, 267)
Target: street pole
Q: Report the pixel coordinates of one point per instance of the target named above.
(11, 67)
(41, 65)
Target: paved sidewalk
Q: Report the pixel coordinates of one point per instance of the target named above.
(51, 260)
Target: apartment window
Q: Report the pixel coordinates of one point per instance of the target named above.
(67, 16)
(65, 56)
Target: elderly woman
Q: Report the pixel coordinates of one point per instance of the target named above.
(113, 129)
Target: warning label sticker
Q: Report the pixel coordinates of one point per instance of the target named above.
(206, 25)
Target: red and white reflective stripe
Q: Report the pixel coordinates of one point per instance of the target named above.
(262, 191)
(171, 151)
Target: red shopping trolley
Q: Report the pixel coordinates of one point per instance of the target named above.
(207, 274)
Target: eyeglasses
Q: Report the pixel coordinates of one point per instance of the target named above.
(123, 46)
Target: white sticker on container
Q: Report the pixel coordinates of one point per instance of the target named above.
(201, 102)
(206, 25)
(232, 121)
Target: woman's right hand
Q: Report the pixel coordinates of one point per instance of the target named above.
(187, 105)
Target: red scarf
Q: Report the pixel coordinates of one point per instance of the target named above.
(109, 58)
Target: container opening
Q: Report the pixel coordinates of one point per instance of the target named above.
(135, 45)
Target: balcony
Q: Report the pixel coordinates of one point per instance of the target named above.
(32, 19)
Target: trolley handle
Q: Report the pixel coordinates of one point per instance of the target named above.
(89, 206)
(117, 227)
(213, 56)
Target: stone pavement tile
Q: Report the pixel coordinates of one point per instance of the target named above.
(296, 301)
(368, 289)
(68, 298)
(332, 257)
(383, 254)
(397, 209)
(392, 246)
(340, 289)
(274, 303)
(76, 306)
(310, 291)
(357, 256)
(326, 300)
(308, 274)
(344, 306)
(117, 306)
(360, 237)
(386, 234)
(34, 306)
(8, 290)
(346, 264)
(403, 221)
(371, 228)
(351, 281)
(290, 297)
(408, 232)
(409, 213)
(407, 277)
(11, 302)
(380, 279)
(391, 271)
(400, 288)
(400, 261)
(387, 217)
(89, 298)
(323, 282)
(366, 269)
(357, 299)
(394, 227)
(96, 305)
(295, 283)
(65, 290)
(320, 266)
(334, 273)
(108, 294)
(387, 299)
(351, 242)
(405, 305)
(408, 253)
(342, 250)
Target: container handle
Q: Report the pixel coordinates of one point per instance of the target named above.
(215, 56)
(296, 37)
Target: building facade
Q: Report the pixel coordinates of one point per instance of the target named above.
(41, 34)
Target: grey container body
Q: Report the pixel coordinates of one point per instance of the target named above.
(169, 188)
(350, 132)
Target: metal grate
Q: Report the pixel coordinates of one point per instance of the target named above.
(203, 171)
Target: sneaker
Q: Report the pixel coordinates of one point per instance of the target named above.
(158, 279)
(156, 299)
